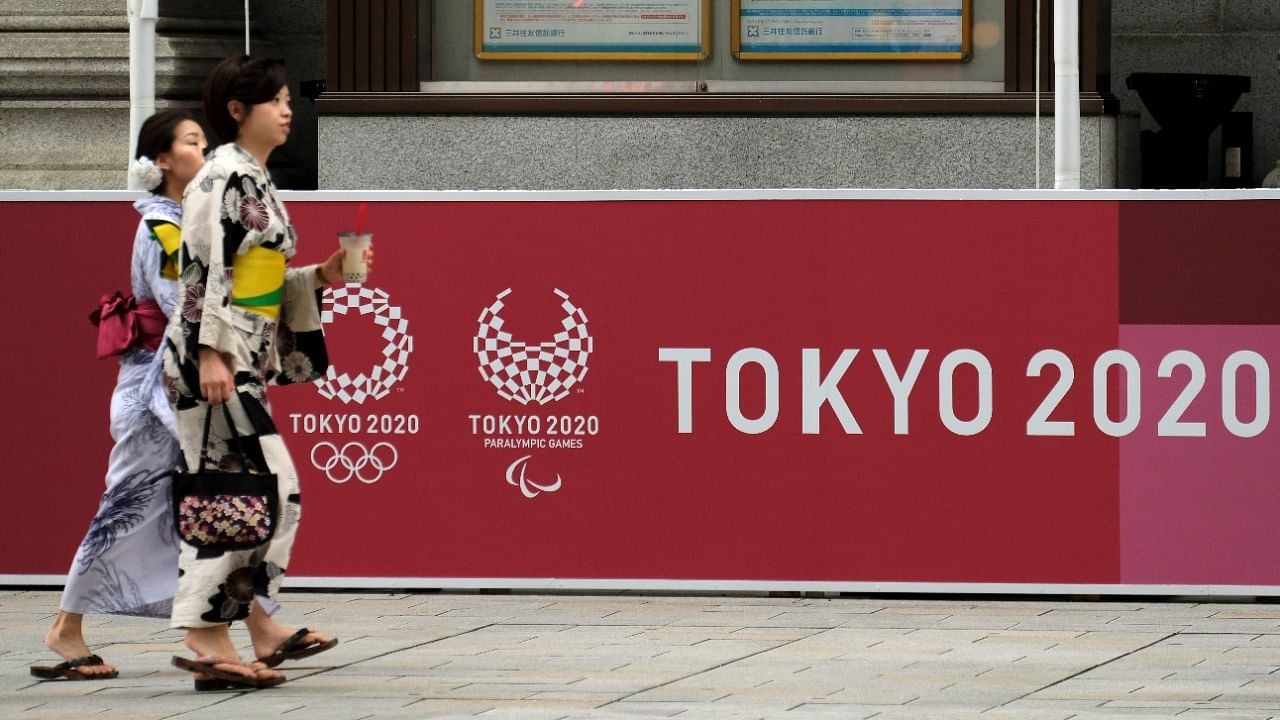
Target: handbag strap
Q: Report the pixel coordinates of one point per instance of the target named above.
(235, 437)
(204, 441)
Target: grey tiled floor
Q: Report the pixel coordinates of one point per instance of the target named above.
(528, 656)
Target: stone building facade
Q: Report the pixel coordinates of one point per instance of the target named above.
(64, 100)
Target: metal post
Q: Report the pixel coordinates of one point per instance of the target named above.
(142, 72)
(1066, 94)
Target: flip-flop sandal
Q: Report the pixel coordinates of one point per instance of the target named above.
(208, 668)
(295, 649)
(67, 670)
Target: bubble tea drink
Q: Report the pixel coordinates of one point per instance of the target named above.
(355, 268)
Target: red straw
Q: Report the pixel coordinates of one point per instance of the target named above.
(360, 217)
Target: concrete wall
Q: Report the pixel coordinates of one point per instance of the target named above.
(580, 153)
(1233, 37)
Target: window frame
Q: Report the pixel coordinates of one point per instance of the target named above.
(373, 69)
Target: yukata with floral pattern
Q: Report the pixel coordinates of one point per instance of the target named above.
(236, 295)
(125, 564)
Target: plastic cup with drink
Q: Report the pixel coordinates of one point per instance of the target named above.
(355, 265)
(357, 243)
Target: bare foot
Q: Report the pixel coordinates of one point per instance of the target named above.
(268, 635)
(215, 642)
(66, 638)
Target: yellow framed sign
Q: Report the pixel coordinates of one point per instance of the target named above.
(851, 29)
(592, 29)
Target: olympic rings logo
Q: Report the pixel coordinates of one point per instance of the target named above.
(354, 460)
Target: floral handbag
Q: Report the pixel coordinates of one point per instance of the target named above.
(217, 510)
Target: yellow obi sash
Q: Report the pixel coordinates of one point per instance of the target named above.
(257, 281)
(169, 236)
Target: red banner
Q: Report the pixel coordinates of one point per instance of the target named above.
(827, 390)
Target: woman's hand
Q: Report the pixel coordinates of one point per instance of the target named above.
(216, 382)
(330, 271)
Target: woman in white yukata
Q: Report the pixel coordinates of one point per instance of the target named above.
(244, 319)
(127, 562)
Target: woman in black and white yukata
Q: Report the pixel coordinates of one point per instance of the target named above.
(244, 319)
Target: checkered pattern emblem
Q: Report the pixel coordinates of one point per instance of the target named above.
(528, 373)
(377, 382)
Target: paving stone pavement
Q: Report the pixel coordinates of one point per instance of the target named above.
(623, 655)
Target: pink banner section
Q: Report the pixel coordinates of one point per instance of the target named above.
(1198, 490)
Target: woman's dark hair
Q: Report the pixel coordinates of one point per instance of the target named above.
(157, 133)
(251, 80)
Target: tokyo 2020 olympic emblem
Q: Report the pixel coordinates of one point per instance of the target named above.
(525, 372)
(377, 382)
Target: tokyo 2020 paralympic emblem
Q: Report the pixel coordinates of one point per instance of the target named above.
(378, 381)
(533, 373)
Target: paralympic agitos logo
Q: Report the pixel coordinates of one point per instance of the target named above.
(533, 375)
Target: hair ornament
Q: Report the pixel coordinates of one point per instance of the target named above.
(146, 173)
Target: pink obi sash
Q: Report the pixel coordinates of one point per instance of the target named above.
(123, 322)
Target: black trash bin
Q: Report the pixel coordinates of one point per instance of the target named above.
(1188, 108)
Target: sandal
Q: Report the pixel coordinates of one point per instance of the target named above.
(67, 670)
(205, 684)
(210, 673)
(295, 649)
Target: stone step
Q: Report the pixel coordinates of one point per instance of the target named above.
(32, 15)
(76, 65)
(63, 45)
(64, 80)
(63, 15)
(115, 23)
(111, 16)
